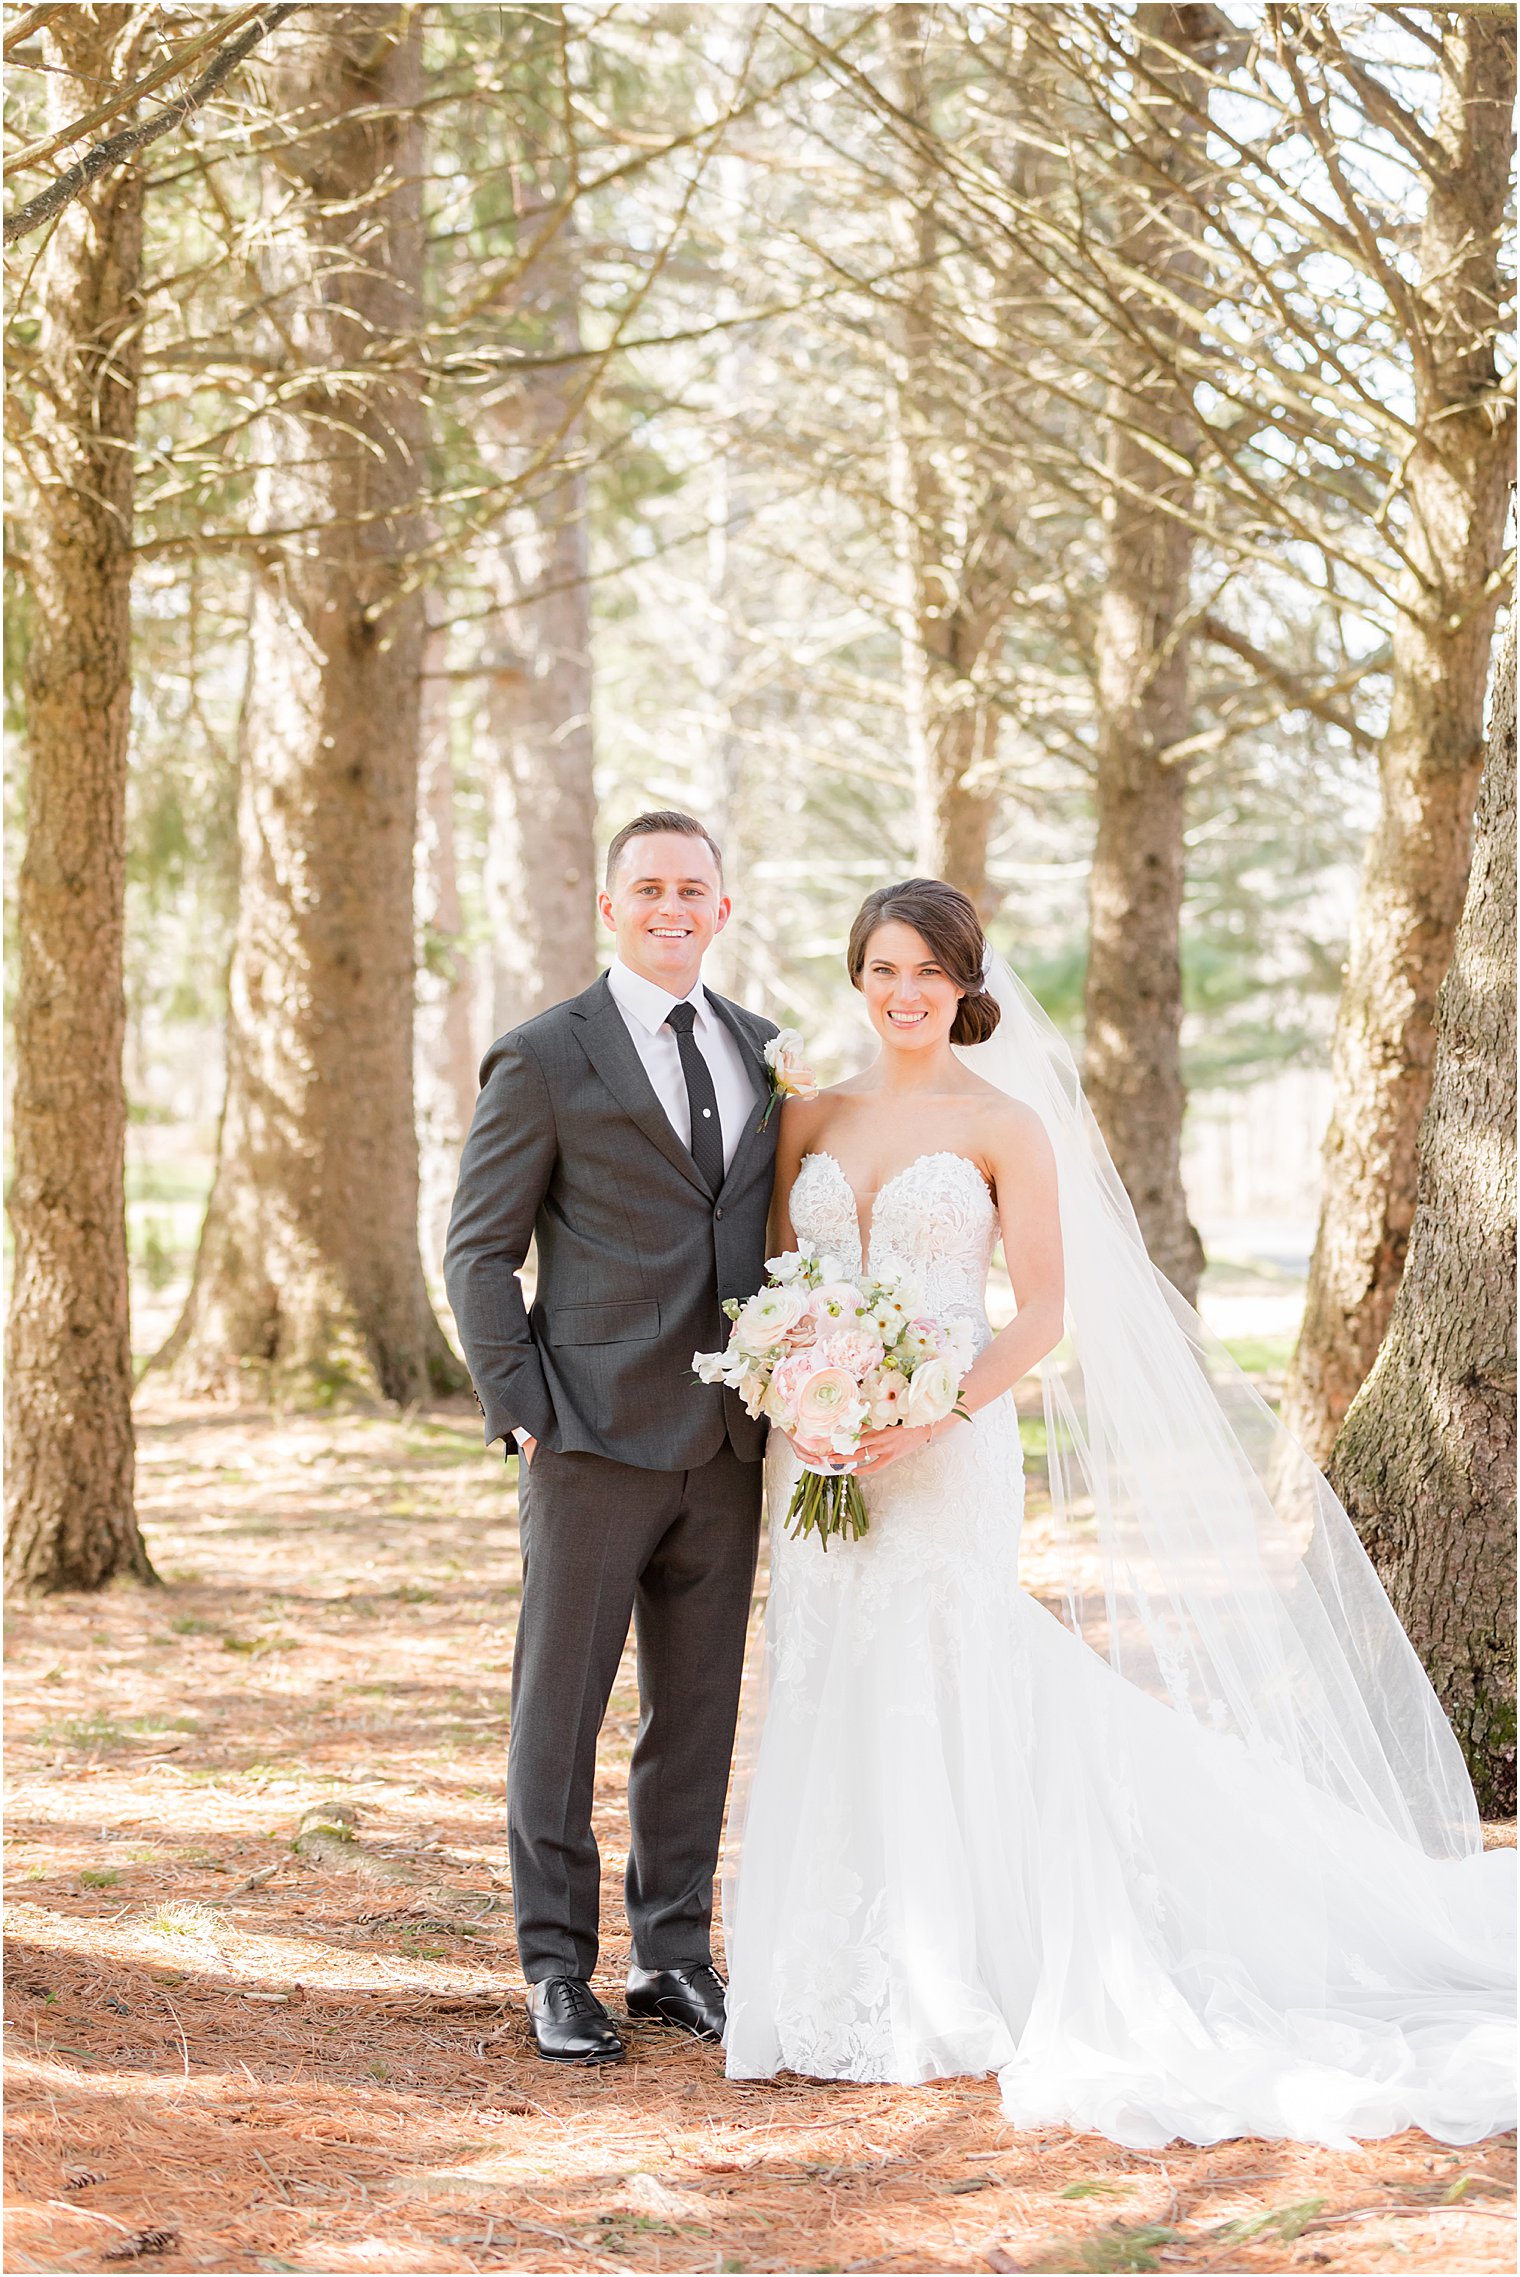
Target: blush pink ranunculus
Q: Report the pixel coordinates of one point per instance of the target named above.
(837, 1304)
(830, 1410)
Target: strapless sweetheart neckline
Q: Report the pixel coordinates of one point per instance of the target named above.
(865, 1222)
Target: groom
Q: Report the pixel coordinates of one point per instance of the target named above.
(622, 1130)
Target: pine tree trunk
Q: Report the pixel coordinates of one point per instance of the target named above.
(954, 587)
(1425, 1460)
(743, 695)
(68, 1391)
(308, 1278)
(541, 865)
(446, 1057)
(742, 805)
(1134, 973)
(1432, 753)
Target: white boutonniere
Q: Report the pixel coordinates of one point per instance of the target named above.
(790, 1076)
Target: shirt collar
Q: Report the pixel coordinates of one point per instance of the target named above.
(648, 1003)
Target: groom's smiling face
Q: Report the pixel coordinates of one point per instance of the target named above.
(666, 904)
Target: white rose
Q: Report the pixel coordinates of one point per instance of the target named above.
(769, 1318)
(933, 1391)
(793, 1078)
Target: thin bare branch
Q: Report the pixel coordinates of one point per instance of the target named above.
(120, 147)
(30, 20)
(122, 98)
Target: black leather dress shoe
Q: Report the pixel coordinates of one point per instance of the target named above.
(691, 1996)
(570, 2024)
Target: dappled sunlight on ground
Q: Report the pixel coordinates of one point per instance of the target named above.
(228, 2054)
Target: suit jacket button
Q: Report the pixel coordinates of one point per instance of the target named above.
(717, 1213)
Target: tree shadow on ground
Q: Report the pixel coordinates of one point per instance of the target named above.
(331, 2070)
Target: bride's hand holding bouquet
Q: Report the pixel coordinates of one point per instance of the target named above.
(842, 1366)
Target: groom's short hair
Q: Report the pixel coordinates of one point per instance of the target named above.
(663, 819)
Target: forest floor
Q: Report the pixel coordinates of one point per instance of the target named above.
(228, 2053)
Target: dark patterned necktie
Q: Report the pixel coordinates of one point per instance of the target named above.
(701, 1097)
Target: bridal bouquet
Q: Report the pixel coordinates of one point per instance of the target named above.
(828, 1357)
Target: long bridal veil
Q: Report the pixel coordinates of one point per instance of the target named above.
(1207, 1558)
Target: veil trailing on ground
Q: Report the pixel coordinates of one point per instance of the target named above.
(1207, 1558)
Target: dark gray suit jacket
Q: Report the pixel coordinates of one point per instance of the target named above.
(635, 1253)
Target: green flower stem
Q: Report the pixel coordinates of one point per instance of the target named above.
(826, 1506)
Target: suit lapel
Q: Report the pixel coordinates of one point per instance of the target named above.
(609, 1047)
(754, 1059)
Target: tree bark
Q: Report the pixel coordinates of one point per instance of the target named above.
(1425, 1460)
(742, 810)
(308, 1278)
(68, 1392)
(446, 1057)
(955, 589)
(1134, 971)
(541, 861)
(1432, 753)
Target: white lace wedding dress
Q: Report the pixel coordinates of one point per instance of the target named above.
(966, 1845)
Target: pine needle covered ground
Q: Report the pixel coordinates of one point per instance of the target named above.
(263, 1999)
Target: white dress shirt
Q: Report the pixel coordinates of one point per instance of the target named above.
(645, 1007)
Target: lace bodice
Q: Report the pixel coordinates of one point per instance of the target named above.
(935, 1218)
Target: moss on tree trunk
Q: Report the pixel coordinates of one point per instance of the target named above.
(1432, 754)
(1425, 1461)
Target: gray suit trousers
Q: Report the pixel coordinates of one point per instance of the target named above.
(675, 1551)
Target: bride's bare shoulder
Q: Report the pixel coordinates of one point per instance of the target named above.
(1009, 1131)
(802, 1120)
(1004, 1121)
(812, 1114)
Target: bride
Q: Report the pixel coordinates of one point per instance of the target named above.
(1202, 1860)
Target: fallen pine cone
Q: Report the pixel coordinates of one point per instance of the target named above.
(81, 2177)
(140, 2242)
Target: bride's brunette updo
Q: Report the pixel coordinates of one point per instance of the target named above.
(947, 921)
